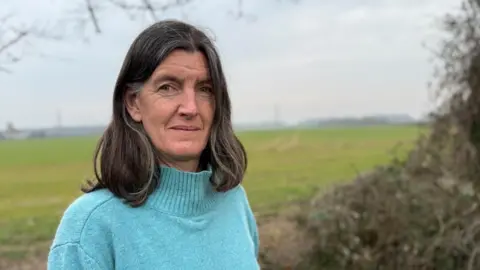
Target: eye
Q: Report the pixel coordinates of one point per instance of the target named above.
(166, 87)
(206, 89)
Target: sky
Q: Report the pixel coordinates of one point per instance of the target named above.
(307, 59)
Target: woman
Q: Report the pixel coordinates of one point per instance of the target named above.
(167, 193)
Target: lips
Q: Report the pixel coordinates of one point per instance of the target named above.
(185, 128)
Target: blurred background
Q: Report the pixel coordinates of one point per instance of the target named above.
(322, 92)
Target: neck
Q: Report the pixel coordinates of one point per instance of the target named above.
(183, 165)
(183, 193)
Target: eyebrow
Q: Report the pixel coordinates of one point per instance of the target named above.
(166, 77)
(169, 77)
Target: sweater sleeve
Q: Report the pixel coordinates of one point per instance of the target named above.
(253, 227)
(251, 220)
(71, 256)
(254, 232)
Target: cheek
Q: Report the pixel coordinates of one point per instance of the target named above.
(207, 112)
(155, 118)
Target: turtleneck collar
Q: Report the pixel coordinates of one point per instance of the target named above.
(183, 193)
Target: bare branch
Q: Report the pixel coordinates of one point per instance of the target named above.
(93, 16)
(148, 6)
(5, 70)
(16, 39)
(239, 13)
(10, 37)
(88, 13)
(150, 9)
(15, 36)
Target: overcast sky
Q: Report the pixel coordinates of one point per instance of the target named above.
(313, 59)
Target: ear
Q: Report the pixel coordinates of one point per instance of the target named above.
(132, 103)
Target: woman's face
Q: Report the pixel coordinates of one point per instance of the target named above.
(176, 106)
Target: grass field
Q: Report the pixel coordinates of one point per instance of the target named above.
(39, 178)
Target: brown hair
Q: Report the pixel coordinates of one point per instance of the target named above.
(125, 160)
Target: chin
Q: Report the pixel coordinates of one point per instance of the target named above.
(189, 151)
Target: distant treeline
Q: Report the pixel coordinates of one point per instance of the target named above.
(363, 121)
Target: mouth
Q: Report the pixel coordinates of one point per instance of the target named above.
(185, 128)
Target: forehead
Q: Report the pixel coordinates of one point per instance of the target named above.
(183, 63)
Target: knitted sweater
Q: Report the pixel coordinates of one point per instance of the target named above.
(185, 224)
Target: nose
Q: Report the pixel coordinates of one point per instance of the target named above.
(188, 106)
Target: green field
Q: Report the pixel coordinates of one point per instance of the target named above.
(39, 178)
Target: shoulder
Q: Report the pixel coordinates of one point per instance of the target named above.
(83, 239)
(84, 214)
(240, 195)
(238, 192)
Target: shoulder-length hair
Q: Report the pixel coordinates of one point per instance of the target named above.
(125, 160)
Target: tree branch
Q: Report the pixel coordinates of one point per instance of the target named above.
(16, 39)
(93, 16)
(148, 6)
(150, 9)
(239, 13)
(10, 37)
(13, 36)
(88, 13)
